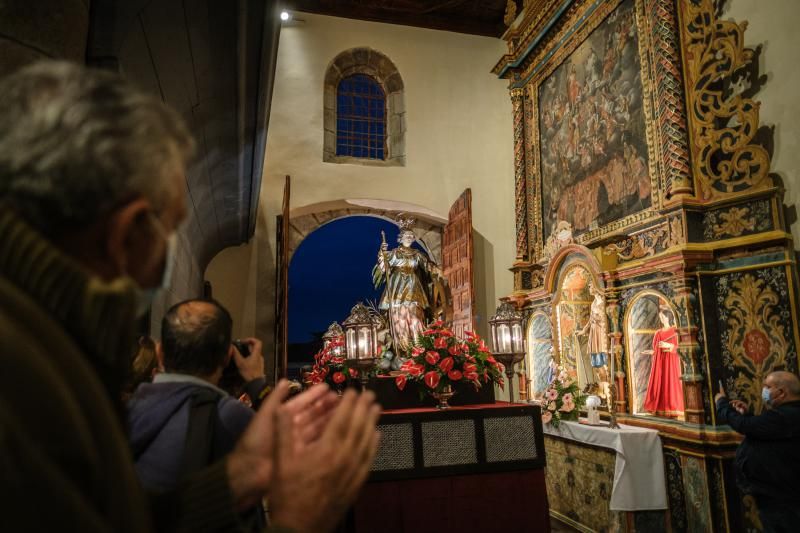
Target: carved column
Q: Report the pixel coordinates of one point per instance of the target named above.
(689, 347)
(613, 311)
(517, 103)
(670, 111)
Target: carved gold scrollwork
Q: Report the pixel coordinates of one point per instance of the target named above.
(649, 242)
(723, 123)
(734, 222)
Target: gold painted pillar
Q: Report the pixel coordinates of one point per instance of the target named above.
(518, 106)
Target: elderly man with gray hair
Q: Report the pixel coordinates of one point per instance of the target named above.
(91, 197)
(767, 460)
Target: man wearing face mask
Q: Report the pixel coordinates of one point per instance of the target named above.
(767, 464)
(91, 195)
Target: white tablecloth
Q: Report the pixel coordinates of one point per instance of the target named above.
(639, 470)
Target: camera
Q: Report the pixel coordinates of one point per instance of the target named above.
(243, 347)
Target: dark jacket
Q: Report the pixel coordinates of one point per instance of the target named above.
(767, 460)
(158, 419)
(65, 462)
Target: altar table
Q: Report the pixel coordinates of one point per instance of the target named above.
(466, 469)
(601, 479)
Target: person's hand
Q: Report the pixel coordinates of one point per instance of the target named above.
(250, 464)
(384, 246)
(252, 366)
(316, 480)
(721, 394)
(740, 406)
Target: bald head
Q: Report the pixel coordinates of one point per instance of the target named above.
(784, 387)
(196, 337)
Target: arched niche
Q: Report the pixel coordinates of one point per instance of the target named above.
(571, 277)
(540, 352)
(641, 322)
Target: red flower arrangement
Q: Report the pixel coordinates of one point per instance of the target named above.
(440, 358)
(330, 365)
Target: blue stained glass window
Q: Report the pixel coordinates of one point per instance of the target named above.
(360, 118)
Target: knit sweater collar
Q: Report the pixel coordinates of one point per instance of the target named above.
(98, 315)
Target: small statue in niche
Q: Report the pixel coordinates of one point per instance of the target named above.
(664, 391)
(597, 344)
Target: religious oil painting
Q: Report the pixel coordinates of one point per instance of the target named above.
(593, 159)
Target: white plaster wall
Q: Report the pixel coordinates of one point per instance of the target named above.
(775, 24)
(459, 135)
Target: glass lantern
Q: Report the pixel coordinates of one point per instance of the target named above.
(335, 334)
(508, 340)
(361, 339)
(507, 330)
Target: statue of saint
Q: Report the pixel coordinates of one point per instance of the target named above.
(664, 388)
(597, 328)
(408, 274)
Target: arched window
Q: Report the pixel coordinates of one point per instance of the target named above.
(360, 118)
(364, 111)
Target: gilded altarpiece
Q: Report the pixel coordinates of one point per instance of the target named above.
(639, 154)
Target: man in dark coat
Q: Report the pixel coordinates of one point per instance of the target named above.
(767, 463)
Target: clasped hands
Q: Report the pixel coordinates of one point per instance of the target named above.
(309, 455)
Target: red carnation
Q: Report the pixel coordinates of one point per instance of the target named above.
(455, 349)
(446, 364)
(353, 372)
(470, 367)
(429, 332)
(491, 359)
(432, 379)
(338, 377)
(440, 342)
(432, 357)
(455, 375)
(400, 381)
(471, 376)
(446, 333)
(437, 324)
(339, 360)
(416, 350)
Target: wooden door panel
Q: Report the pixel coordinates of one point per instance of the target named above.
(457, 253)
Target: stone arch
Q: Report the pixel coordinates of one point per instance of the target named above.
(428, 225)
(363, 60)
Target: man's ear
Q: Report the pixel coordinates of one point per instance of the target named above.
(228, 357)
(123, 233)
(160, 356)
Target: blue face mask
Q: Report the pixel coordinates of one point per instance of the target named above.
(147, 296)
(766, 395)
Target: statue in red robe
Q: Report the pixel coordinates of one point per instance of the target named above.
(664, 391)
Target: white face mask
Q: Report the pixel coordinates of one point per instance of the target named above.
(148, 295)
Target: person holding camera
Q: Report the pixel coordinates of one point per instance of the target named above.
(766, 462)
(183, 421)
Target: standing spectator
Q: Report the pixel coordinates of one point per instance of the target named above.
(183, 421)
(767, 464)
(143, 366)
(91, 194)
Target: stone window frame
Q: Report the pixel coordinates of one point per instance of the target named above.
(367, 61)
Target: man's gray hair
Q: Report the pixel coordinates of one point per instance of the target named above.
(787, 380)
(75, 143)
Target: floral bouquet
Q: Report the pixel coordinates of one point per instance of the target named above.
(440, 359)
(330, 365)
(562, 400)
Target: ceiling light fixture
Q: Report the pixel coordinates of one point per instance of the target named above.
(285, 16)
